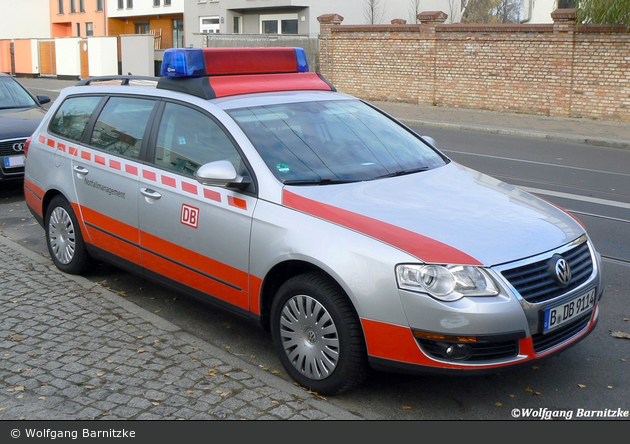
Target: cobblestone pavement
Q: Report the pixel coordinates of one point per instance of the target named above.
(70, 349)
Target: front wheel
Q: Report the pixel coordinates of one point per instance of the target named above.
(64, 238)
(317, 335)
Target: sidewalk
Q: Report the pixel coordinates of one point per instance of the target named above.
(72, 350)
(591, 132)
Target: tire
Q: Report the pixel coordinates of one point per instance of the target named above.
(64, 238)
(317, 335)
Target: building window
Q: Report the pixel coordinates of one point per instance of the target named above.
(129, 4)
(178, 33)
(121, 4)
(238, 24)
(209, 25)
(78, 29)
(99, 5)
(279, 24)
(156, 2)
(73, 9)
(89, 29)
(142, 28)
(81, 5)
(167, 2)
(60, 7)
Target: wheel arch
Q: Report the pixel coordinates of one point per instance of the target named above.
(281, 273)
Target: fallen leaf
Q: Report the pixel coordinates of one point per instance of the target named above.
(620, 334)
(581, 386)
(498, 404)
(406, 407)
(155, 403)
(528, 390)
(610, 386)
(16, 338)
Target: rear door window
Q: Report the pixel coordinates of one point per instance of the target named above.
(121, 125)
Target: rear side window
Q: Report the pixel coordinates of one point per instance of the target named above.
(121, 125)
(73, 116)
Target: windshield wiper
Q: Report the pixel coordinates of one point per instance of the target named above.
(403, 172)
(318, 181)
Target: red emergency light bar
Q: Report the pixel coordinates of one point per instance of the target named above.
(225, 61)
(218, 72)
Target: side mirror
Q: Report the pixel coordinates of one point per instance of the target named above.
(43, 99)
(221, 174)
(430, 140)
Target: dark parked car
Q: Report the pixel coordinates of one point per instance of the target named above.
(20, 113)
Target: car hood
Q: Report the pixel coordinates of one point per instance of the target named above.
(22, 122)
(450, 214)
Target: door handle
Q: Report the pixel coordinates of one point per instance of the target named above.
(150, 195)
(81, 171)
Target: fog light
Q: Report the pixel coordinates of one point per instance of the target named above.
(459, 351)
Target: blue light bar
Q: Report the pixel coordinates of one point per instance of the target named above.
(302, 61)
(183, 62)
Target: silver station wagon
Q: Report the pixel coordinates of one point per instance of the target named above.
(241, 177)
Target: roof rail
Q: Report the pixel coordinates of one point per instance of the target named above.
(123, 79)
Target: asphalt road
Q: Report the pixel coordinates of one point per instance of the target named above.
(592, 376)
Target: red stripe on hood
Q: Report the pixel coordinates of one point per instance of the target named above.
(424, 248)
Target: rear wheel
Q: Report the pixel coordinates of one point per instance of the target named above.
(317, 335)
(64, 238)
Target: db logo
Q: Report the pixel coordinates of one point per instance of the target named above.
(190, 216)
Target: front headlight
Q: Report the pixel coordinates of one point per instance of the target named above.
(446, 282)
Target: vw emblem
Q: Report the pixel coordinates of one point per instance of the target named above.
(563, 271)
(19, 146)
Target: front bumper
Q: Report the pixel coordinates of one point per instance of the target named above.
(481, 334)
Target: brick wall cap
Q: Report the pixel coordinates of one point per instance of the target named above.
(563, 14)
(432, 16)
(330, 18)
(399, 21)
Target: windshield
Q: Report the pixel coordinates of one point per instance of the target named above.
(12, 95)
(333, 141)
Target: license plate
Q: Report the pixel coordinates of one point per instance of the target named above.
(13, 161)
(556, 316)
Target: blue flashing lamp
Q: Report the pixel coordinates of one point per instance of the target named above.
(302, 61)
(183, 62)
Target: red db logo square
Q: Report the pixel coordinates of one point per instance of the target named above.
(190, 216)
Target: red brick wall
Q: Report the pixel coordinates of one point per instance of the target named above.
(559, 70)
